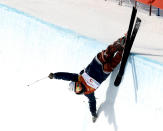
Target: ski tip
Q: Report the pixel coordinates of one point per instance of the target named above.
(117, 80)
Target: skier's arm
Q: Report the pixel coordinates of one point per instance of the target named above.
(64, 76)
(92, 103)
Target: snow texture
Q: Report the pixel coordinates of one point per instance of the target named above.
(32, 48)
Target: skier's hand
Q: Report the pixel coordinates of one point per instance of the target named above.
(119, 44)
(51, 75)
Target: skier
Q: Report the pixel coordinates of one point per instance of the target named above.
(89, 79)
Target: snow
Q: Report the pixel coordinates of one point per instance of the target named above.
(32, 47)
(103, 20)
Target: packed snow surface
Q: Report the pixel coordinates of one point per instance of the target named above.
(31, 48)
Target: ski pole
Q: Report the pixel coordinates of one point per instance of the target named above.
(37, 81)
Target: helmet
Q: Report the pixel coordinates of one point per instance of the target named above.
(77, 87)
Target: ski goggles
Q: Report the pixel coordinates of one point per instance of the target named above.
(78, 88)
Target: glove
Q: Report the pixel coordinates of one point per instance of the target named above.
(119, 44)
(122, 41)
(51, 75)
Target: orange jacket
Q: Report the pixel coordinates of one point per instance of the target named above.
(88, 89)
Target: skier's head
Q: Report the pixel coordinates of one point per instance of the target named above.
(77, 87)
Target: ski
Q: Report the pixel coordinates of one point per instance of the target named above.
(120, 73)
(127, 52)
(122, 66)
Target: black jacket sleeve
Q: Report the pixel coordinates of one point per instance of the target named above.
(92, 103)
(66, 76)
